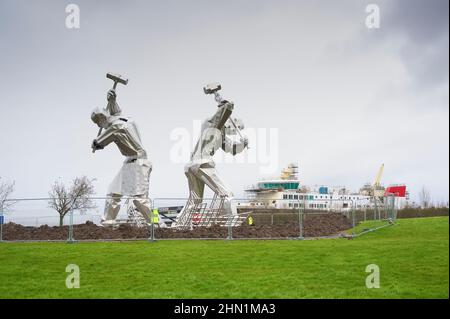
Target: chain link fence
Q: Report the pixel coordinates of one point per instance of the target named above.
(33, 220)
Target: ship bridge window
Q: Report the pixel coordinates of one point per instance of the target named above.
(280, 185)
(295, 196)
(285, 196)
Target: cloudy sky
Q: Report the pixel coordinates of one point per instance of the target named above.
(339, 97)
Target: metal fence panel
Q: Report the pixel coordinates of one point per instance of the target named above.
(33, 220)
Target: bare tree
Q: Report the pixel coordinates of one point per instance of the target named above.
(76, 197)
(424, 197)
(6, 189)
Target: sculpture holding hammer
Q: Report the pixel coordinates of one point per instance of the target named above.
(200, 171)
(133, 179)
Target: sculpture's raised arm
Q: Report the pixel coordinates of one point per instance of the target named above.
(113, 107)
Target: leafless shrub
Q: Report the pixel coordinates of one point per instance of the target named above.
(425, 197)
(77, 197)
(6, 189)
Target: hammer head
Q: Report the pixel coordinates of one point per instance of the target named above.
(212, 88)
(117, 78)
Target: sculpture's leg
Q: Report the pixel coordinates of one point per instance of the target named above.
(196, 190)
(112, 207)
(209, 176)
(138, 180)
(196, 187)
(143, 205)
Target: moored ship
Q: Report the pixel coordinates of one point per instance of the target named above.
(287, 191)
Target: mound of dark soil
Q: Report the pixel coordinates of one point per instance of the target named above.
(88, 230)
(314, 226)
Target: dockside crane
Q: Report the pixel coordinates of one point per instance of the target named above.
(378, 190)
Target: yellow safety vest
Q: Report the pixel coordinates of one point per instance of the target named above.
(250, 220)
(155, 216)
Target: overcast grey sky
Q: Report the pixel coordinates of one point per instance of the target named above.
(344, 98)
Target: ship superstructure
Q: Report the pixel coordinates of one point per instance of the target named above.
(287, 191)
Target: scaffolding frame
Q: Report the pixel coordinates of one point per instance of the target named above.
(199, 214)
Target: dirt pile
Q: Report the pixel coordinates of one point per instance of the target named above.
(314, 226)
(325, 224)
(88, 230)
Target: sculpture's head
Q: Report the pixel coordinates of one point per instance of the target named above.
(222, 114)
(100, 117)
(230, 128)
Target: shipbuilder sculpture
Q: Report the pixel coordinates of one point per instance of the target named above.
(132, 181)
(201, 171)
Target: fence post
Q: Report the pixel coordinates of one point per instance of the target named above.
(380, 211)
(2, 219)
(152, 224)
(353, 216)
(377, 210)
(395, 211)
(230, 230)
(300, 220)
(71, 240)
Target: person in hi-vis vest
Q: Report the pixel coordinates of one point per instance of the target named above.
(156, 220)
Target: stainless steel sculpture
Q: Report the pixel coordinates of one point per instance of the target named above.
(215, 134)
(133, 179)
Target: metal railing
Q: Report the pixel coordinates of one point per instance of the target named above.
(31, 219)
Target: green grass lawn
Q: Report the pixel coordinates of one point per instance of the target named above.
(413, 257)
(368, 225)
